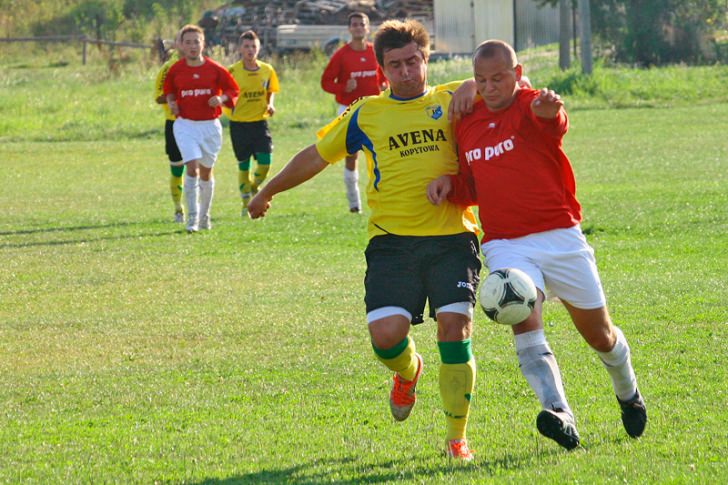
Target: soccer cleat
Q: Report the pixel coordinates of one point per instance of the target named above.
(558, 426)
(205, 223)
(355, 210)
(402, 396)
(192, 225)
(634, 415)
(458, 450)
(179, 217)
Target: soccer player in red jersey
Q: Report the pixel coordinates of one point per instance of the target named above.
(353, 72)
(196, 87)
(513, 167)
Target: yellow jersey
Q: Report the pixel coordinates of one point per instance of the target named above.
(255, 86)
(407, 144)
(159, 83)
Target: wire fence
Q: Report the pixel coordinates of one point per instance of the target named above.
(157, 47)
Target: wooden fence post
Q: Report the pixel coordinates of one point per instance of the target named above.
(83, 55)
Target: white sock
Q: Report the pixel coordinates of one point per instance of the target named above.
(619, 366)
(207, 190)
(190, 191)
(351, 181)
(538, 365)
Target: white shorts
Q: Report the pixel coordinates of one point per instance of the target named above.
(198, 140)
(560, 261)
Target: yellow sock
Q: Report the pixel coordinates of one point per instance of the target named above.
(261, 172)
(175, 188)
(457, 380)
(402, 358)
(244, 183)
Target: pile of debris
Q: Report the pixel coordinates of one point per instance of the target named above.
(224, 25)
(270, 13)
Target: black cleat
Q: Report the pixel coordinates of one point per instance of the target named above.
(634, 415)
(558, 426)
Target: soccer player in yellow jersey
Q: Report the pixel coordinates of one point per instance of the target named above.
(417, 252)
(248, 126)
(176, 165)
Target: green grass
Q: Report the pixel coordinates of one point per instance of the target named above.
(131, 352)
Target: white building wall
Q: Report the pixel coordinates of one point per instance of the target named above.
(460, 25)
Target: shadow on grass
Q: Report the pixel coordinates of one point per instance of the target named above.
(385, 472)
(86, 240)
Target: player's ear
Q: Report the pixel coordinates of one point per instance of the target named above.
(519, 72)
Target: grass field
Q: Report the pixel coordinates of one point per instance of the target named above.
(131, 352)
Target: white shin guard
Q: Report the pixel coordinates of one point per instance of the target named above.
(207, 190)
(619, 366)
(351, 181)
(538, 365)
(191, 193)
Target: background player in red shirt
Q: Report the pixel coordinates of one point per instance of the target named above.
(353, 72)
(513, 166)
(196, 87)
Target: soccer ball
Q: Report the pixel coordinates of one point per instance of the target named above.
(508, 296)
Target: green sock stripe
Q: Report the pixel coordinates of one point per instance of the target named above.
(263, 158)
(177, 170)
(394, 351)
(244, 166)
(455, 352)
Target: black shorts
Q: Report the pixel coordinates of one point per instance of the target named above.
(407, 271)
(250, 138)
(170, 144)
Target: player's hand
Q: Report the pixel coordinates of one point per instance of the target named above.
(524, 82)
(215, 101)
(173, 108)
(462, 100)
(439, 189)
(350, 85)
(258, 206)
(271, 110)
(547, 104)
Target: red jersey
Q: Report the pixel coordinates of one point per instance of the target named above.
(194, 86)
(513, 167)
(347, 63)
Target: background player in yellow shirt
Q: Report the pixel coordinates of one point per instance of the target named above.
(176, 165)
(417, 252)
(249, 130)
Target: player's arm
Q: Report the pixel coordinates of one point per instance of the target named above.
(303, 166)
(458, 189)
(548, 110)
(329, 78)
(270, 109)
(169, 92)
(463, 99)
(159, 97)
(229, 88)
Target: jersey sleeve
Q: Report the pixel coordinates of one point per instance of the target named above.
(168, 86)
(341, 137)
(463, 183)
(229, 87)
(329, 76)
(381, 78)
(273, 85)
(552, 127)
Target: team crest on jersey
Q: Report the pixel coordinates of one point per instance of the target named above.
(434, 111)
(195, 76)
